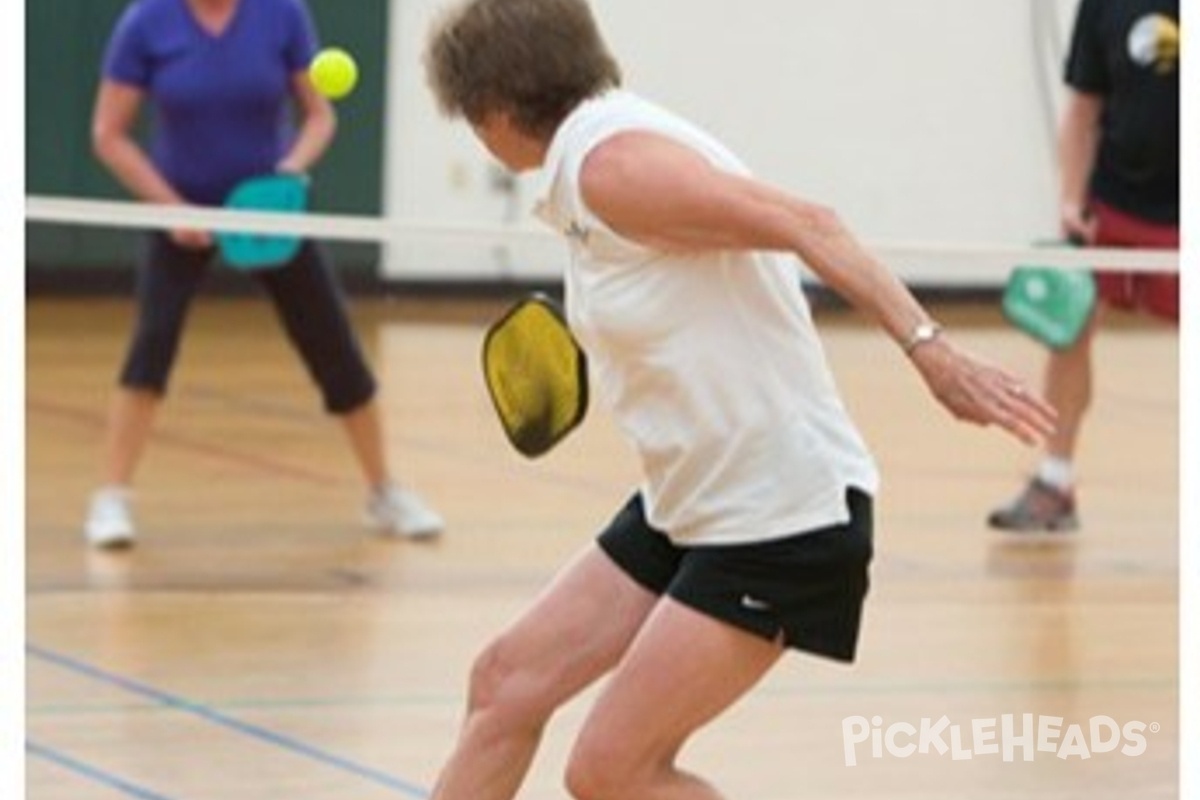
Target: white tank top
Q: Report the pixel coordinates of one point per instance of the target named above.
(709, 363)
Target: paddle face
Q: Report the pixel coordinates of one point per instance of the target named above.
(251, 251)
(536, 375)
(1051, 305)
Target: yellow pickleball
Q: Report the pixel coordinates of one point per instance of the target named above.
(333, 72)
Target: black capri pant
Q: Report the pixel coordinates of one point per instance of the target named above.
(306, 297)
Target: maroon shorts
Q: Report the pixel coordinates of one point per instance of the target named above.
(1156, 293)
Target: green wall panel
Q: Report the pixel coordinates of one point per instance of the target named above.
(65, 41)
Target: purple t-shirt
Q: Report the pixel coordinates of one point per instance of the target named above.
(221, 105)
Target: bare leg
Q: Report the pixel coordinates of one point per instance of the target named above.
(574, 633)
(365, 430)
(130, 421)
(1068, 387)
(682, 671)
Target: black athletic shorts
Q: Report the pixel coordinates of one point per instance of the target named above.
(805, 590)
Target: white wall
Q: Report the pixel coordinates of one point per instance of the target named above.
(918, 120)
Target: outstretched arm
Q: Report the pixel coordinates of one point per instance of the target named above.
(655, 191)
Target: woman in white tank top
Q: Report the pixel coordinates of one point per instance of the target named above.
(683, 287)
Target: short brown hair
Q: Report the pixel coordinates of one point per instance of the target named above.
(535, 59)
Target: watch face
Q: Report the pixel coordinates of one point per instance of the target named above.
(925, 332)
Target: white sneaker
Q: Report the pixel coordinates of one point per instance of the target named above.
(109, 522)
(401, 512)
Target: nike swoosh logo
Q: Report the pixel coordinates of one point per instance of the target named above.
(754, 604)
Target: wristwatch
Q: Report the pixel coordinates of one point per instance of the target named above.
(924, 332)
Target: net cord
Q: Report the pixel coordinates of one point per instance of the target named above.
(346, 227)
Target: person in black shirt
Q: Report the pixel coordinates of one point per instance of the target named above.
(1119, 152)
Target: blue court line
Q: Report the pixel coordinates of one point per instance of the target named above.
(211, 715)
(88, 771)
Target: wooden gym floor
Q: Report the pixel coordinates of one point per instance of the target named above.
(260, 643)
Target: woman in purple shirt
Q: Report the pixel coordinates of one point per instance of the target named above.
(225, 79)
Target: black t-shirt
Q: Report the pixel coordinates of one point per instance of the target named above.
(1128, 51)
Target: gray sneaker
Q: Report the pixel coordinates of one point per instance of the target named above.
(1040, 507)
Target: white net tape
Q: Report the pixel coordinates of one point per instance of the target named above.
(345, 227)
